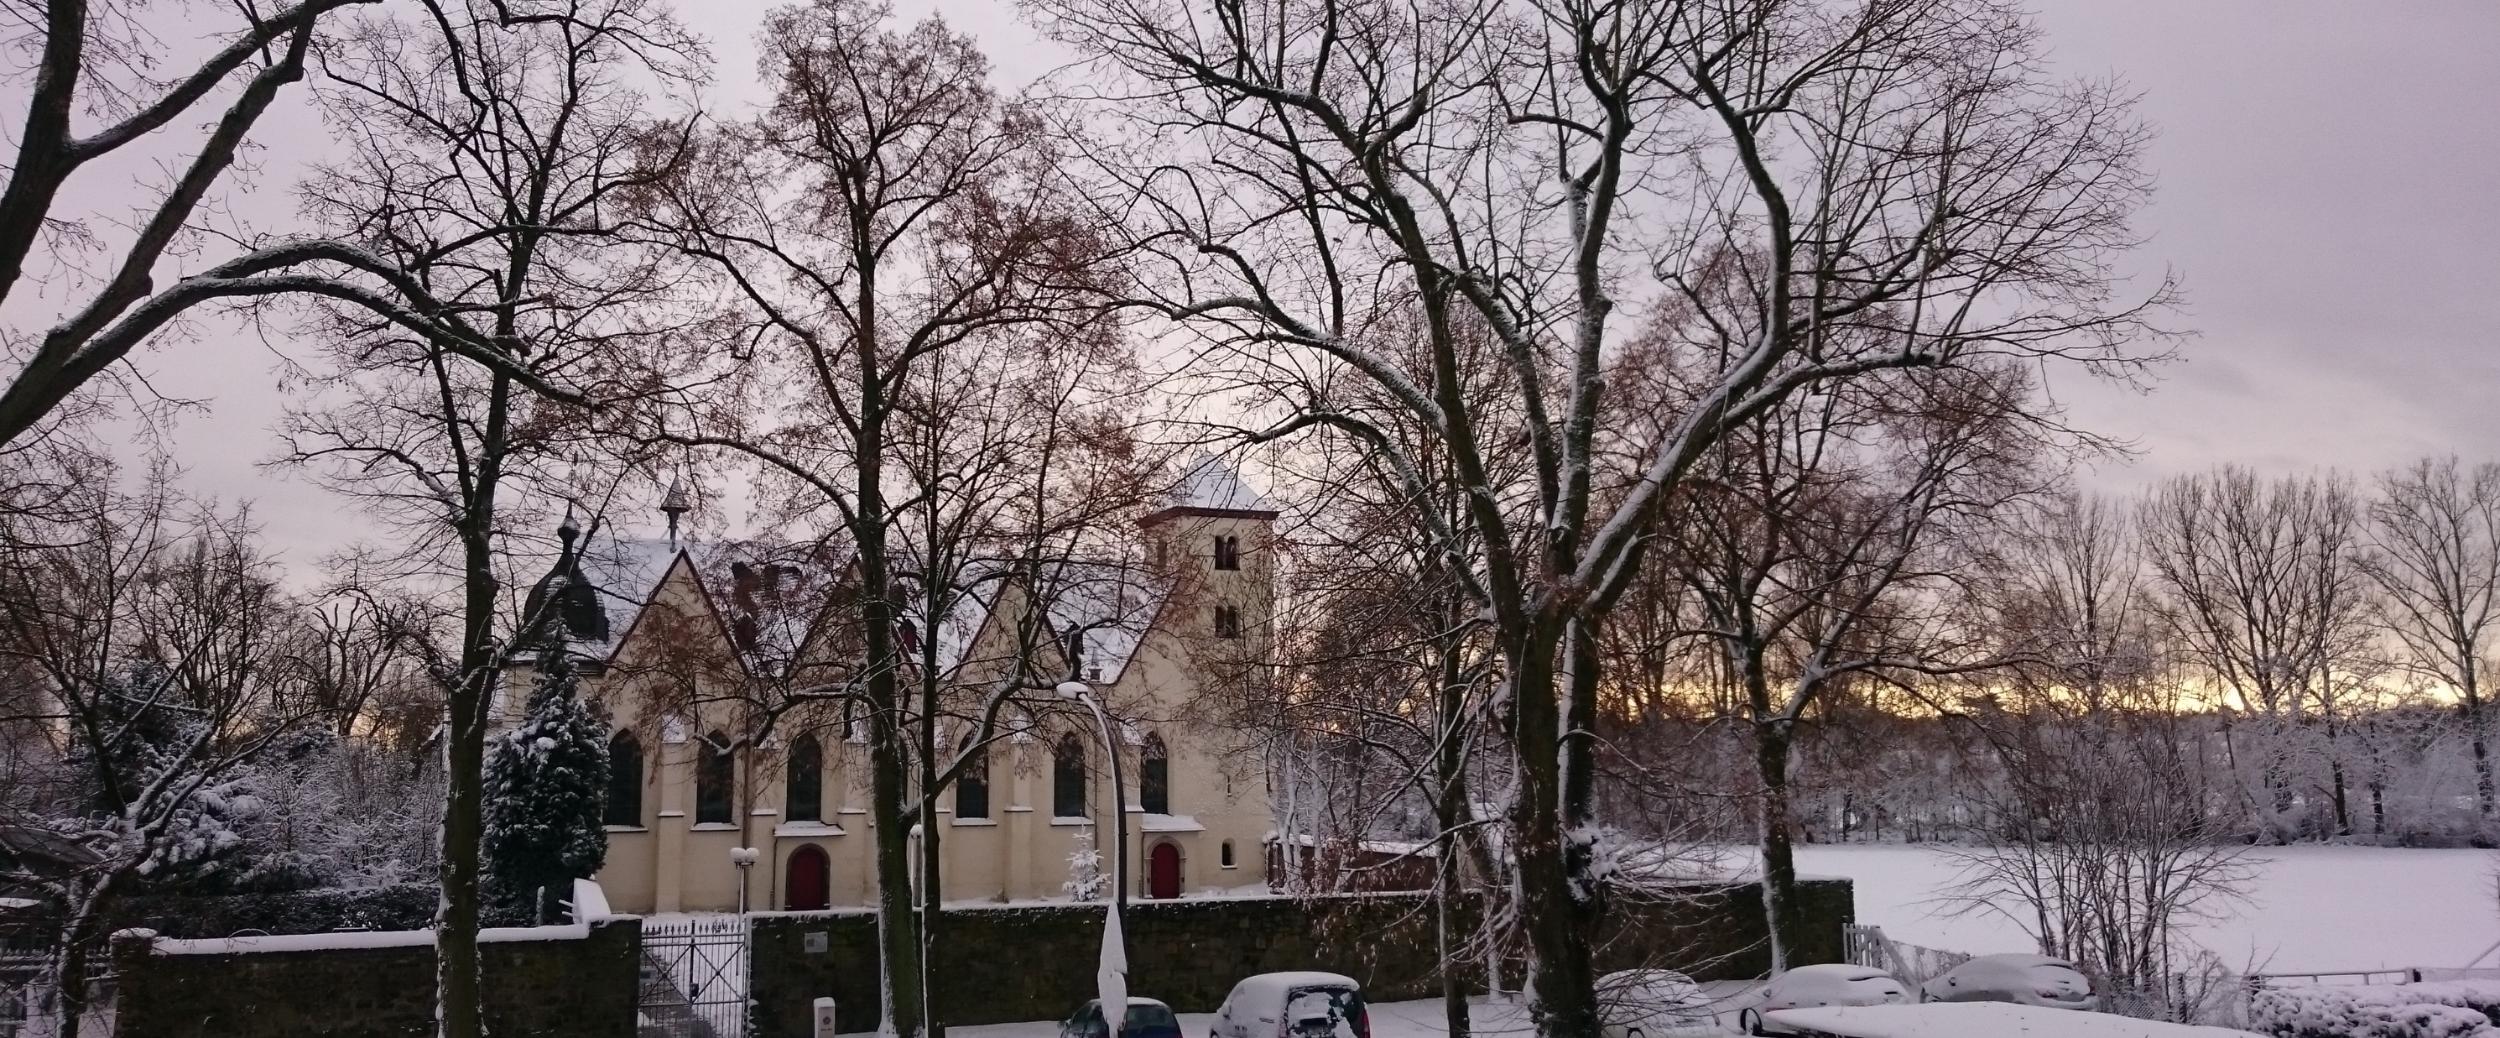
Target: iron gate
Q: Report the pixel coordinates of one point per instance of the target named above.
(694, 977)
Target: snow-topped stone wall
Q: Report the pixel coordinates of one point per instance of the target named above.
(1036, 962)
(571, 981)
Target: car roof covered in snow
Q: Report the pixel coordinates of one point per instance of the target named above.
(1981, 1020)
(1844, 970)
(2019, 959)
(1278, 983)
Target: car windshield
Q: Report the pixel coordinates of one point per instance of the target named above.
(1322, 1007)
(1149, 1018)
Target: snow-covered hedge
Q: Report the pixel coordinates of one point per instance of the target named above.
(404, 906)
(2443, 1009)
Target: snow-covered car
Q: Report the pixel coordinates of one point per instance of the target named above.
(1649, 1003)
(1294, 1005)
(1977, 1020)
(1146, 1018)
(2031, 980)
(1828, 984)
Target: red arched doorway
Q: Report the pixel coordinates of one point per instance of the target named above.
(808, 882)
(1163, 871)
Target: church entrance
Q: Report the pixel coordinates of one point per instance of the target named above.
(808, 885)
(1163, 871)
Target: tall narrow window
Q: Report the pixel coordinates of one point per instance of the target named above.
(972, 788)
(1227, 851)
(1067, 778)
(1228, 621)
(1228, 552)
(1154, 779)
(806, 783)
(624, 780)
(714, 772)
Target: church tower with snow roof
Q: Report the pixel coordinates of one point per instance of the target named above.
(1216, 538)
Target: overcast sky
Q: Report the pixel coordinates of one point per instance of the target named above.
(2329, 192)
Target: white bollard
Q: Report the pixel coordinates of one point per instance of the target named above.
(824, 1018)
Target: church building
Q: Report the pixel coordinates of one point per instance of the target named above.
(739, 757)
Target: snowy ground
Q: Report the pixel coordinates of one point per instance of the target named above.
(2311, 909)
(1422, 1019)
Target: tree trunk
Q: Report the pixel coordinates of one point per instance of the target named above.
(2335, 775)
(1553, 914)
(69, 977)
(458, 1004)
(1779, 856)
(1451, 811)
(2479, 736)
(898, 938)
(932, 879)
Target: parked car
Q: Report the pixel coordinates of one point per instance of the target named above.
(2031, 980)
(1977, 1020)
(1829, 984)
(1647, 1003)
(1146, 1018)
(1294, 1005)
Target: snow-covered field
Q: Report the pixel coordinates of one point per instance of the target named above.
(2311, 909)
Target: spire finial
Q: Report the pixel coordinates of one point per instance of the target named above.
(674, 504)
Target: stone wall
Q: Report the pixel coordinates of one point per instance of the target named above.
(567, 982)
(1012, 963)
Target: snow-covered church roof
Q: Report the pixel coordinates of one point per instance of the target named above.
(1213, 486)
(1112, 601)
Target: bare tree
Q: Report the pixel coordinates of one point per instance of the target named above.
(1297, 160)
(2436, 527)
(1837, 542)
(489, 142)
(97, 55)
(102, 608)
(888, 231)
(2264, 588)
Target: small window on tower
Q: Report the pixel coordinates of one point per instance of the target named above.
(1228, 553)
(1228, 621)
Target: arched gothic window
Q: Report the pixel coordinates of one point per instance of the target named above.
(1067, 778)
(972, 787)
(1154, 779)
(806, 782)
(624, 779)
(715, 771)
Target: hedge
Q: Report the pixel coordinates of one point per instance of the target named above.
(2440, 1009)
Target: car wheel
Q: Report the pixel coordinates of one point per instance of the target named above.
(1634, 1033)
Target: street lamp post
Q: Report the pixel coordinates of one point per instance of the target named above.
(1079, 691)
(1111, 975)
(744, 858)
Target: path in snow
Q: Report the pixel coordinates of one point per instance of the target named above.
(2312, 907)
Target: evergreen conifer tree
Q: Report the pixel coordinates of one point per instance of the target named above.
(546, 793)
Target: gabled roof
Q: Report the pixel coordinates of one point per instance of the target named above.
(1114, 601)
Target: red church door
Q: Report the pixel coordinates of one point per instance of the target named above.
(1163, 871)
(809, 884)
